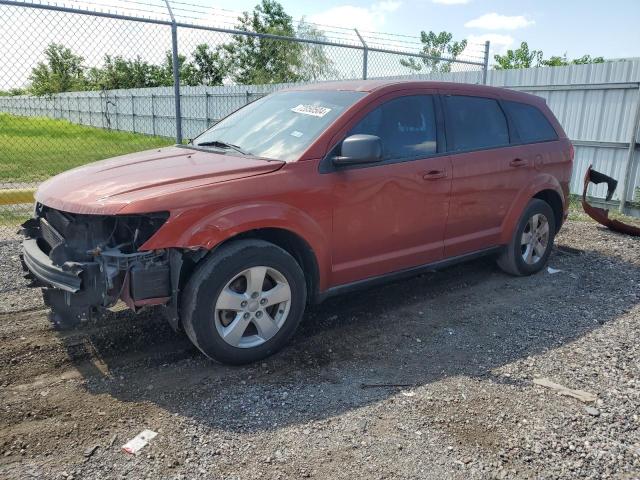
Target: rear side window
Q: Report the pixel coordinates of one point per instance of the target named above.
(530, 123)
(475, 123)
(406, 127)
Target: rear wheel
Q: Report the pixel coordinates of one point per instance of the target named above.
(245, 302)
(530, 247)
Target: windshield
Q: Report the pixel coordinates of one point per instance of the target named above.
(279, 126)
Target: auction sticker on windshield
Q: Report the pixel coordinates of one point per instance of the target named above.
(313, 110)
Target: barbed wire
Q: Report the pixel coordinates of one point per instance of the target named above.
(226, 18)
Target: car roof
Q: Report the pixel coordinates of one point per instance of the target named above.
(371, 86)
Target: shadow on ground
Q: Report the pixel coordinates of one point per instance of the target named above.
(467, 320)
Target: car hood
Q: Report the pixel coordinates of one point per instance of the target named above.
(107, 186)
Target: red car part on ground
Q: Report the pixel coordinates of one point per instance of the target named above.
(601, 215)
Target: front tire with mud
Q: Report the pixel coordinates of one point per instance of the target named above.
(244, 302)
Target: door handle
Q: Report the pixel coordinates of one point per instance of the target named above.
(518, 162)
(435, 175)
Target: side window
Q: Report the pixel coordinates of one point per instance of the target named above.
(475, 123)
(531, 124)
(406, 126)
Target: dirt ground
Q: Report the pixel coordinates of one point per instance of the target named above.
(431, 377)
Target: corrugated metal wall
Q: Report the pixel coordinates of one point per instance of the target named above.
(595, 103)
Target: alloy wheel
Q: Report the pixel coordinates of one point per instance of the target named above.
(252, 307)
(534, 239)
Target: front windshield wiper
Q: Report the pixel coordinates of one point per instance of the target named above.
(223, 145)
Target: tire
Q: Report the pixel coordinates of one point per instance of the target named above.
(520, 258)
(233, 323)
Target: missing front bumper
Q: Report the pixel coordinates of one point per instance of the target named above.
(79, 284)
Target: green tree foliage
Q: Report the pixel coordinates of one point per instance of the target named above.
(118, 72)
(13, 92)
(524, 58)
(585, 59)
(435, 45)
(245, 59)
(62, 71)
(208, 66)
(255, 60)
(519, 58)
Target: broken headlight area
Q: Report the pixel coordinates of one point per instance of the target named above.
(86, 263)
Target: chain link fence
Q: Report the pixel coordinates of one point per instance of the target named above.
(80, 84)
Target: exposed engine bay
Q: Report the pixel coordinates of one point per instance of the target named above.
(87, 263)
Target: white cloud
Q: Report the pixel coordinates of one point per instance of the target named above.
(451, 2)
(495, 21)
(363, 18)
(497, 43)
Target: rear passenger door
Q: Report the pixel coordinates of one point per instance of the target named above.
(487, 172)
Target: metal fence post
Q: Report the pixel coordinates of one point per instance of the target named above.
(206, 109)
(133, 114)
(176, 73)
(485, 68)
(631, 154)
(365, 54)
(153, 115)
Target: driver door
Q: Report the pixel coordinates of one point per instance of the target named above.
(391, 215)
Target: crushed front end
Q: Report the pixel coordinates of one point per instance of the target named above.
(86, 263)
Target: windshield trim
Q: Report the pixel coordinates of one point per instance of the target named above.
(229, 153)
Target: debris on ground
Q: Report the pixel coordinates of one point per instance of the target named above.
(594, 412)
(581, 395)
(601, 215)
(551, 270)
(139, 441)
(340, 381)
(91, 450)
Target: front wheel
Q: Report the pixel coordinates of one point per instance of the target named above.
(244, 302)
(530, 247)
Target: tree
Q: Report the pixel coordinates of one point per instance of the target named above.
(186, 71)
(62, 71)
(208, 66)
(520, 58)
(314, 64)
(524, 58)
(256, 60)
(583, 60)
(119, 72)
(435, 47)
(13, 92)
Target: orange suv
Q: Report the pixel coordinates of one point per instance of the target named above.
(302, 194)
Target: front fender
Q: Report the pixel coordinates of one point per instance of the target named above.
(541, 182)
(193, 228)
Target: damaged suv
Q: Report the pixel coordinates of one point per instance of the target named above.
(300, 195)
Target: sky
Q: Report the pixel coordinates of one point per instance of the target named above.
(599, 28)
(610, 29)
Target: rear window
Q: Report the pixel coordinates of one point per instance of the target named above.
(530, 123)
(475, 123)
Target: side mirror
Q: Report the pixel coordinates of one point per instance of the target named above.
(358, 149)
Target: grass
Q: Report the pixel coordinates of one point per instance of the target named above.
(13, 215)
(33, 149)
(577, 214)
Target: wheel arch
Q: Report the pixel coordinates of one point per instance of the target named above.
(554, 200)
(544, 187)
(294, 245)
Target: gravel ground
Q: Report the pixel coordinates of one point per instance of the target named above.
(426, 378)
